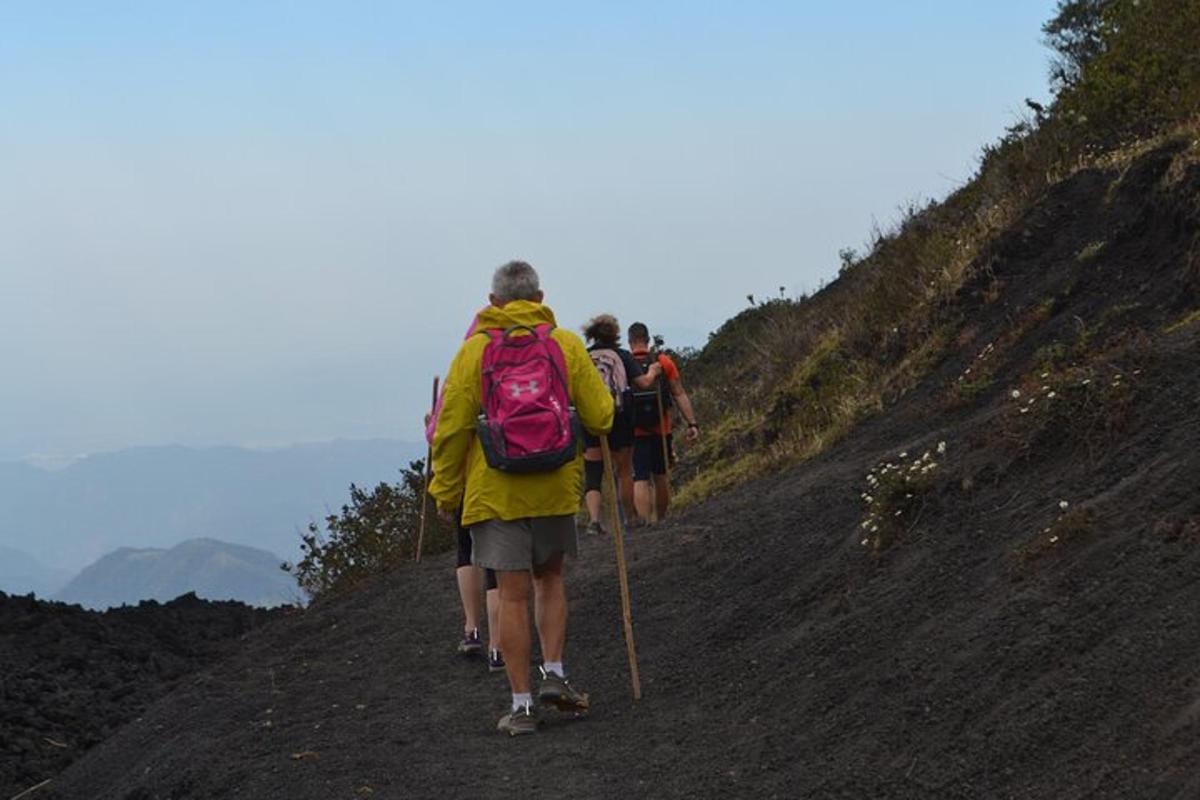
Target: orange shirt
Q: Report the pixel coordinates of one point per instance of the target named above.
(670, 373)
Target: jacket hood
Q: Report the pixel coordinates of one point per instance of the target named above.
(518, 312)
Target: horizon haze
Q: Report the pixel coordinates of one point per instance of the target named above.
(266, 224)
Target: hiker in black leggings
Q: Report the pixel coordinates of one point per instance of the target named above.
(622, 374)
(471, 580)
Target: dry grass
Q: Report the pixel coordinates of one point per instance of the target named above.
(785, 379)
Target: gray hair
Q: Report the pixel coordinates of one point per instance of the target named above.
(516, 280)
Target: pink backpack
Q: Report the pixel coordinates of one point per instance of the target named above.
(527, 422)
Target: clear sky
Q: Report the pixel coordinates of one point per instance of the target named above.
(269, 222)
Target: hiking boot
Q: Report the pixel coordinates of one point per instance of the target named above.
(495, 661)
(596, 529)
(558, 692)
(470, 644)
(520, 722)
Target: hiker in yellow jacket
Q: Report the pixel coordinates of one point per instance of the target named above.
(521, 524)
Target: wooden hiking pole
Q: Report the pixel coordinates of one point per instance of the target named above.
(622, 574)
(428, 475)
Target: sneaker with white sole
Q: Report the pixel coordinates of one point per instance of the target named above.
(470, 644)
(495, 661)
(557, 692)
(522, 721)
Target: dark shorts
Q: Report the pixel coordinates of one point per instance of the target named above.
(648, 457)
(464, 557)
(620, 437)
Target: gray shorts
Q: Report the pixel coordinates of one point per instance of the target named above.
(521, 544)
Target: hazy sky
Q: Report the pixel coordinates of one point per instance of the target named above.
(260, 223)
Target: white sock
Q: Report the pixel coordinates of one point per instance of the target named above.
(520, 700)
(555, 667)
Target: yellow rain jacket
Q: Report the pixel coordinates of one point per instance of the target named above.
(461, 476)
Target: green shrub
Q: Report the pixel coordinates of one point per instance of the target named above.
(1125, 64)
(374, 532)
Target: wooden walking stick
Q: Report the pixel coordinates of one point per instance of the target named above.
(622, 575)
(428, 475)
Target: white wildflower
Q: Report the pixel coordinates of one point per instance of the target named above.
(1052, 395)
(1053, 539)
(864, 542)
(904, 454)
(898, 512)
(941, 448)
(1045, 375)
(1016, 394)
(1063, 504)
(1085, 381)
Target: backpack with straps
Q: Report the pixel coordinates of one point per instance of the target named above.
(526, 422)
(611, 367)
(645, 404)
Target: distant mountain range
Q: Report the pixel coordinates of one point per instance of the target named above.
(156, 497)
(214, 570)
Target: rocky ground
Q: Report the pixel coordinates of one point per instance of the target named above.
(70, 678)
(1024, 627)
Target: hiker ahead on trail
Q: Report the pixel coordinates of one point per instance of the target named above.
(622, 375)
(653, 447)
(472, 581)
(506, 450)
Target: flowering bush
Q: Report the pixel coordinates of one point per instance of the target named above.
(1086, 402)
(1068, 525)
(893, 497)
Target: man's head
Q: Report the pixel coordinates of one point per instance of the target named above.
(516, 280)
(639, 335)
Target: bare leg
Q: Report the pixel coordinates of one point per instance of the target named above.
(592, 498)
(624, 464)
(551, 595)
(470, 585)
(662, 495)
(493, 615)
(514, 588)
(641, 500)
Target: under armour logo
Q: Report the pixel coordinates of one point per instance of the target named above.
(518, 389)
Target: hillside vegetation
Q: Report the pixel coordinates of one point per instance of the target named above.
(785, 379)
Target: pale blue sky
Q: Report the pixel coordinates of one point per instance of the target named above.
(260, 223)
